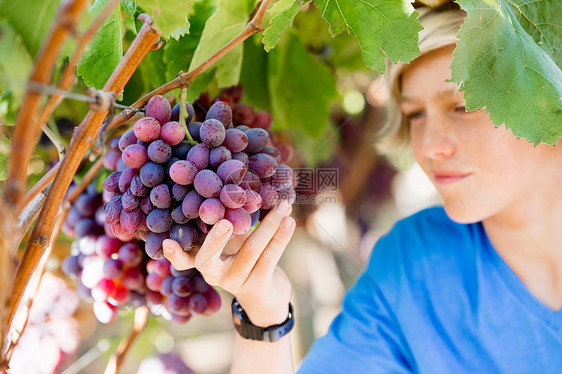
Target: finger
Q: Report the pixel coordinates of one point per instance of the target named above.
(180, 259)
(235, 243)
(208, 256)
(252, 248)
(270, 257)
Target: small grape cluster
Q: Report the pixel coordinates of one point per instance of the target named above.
(177, 295)
(178, 188)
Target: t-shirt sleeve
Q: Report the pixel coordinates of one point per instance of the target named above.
(365, 337)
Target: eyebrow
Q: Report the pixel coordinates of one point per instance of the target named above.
(443, 93)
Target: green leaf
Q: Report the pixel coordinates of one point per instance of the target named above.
(200, 84)
(300, 88)
(254, 75)
(283, 14)
(153, 70)
(169, 18)
(508, 59)
(4, 152)
(106, 50)
(132, 11)
(379, 25)
(15, 62)
(228, 20)
(178, 53)
(31, 19)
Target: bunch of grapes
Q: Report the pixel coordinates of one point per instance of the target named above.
(177, 295)
(177, 188)
(109, 271)
(52, 334)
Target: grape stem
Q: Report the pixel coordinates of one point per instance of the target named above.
(118, 359)
(42, 233)
(183, 114)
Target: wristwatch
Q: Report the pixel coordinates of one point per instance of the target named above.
(248, 330)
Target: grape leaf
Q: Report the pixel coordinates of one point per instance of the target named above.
(379, 25)
(15, 62)
(132, 11)
(31, 19)
(300, 87)
(226, 22)
(508, 59)
(153, 70)
(169, 18)
(178, 53)
(105, 51)
(283, 13)
(254, 74)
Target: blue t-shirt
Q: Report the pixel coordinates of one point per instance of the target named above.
(437, 298)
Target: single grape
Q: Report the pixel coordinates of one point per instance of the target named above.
(159, 108)
(147, 129)
(166, 287)
(181, 286)
(219, 155)
(104, 289)
(129, 201)
(263, 165)
(130, 221)
(269, 196)
(232, 196)
(212, 132)
(178, 304)
(231, 171)
(235, 140)
(154, 282)
(137, 188)
(179, 191)
(240, 220)
(121, 165)
(120, 296)
(199, 156)
(283, 177)
(194, 129)
(107, 246)
(220, 111)
(191, 203)
(146, 205)
(127, 139)
(183, 172)
(71, 266)
(207, 183)
(130, 254)
(162, 267)
(152, 174)
(178, 216)
(111, 183)
(159, 220)
(135, 156)
(197, 303)
(253, 201)
(176, 112)
(202, 226)
(242, 157)
(126, 178)
(243, 114)
(263, 120)
(185, 235)
(144, 144)
(86, 227)
(159, 151)
(110, 160)
(87, 204)
(112, 268)
(160, 196)
(198, 284)
(211, 211)
(251, 181)
(257, 140)
(273, 152)
(153, 246)
(243, 128)
(180, 150)
(213, 301)
(172, 133)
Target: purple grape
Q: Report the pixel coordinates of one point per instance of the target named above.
(168, 165)
(152, 174)
(110, 159)
(220, 111)
(129, 201)
(107, 246)
(130, 221)
(137, 188)
(240, 220)
(232, 196)
(197, 303)
(273, 152)
(212, 133)
(178, 304)
(269, 196)
(263, 165)
(185, 235)
(202, 226)
(255, 217)
(130, 254)
(251, 181)
(159, 220)
(178, 216)
(191, 203)
(133, 279)
(199, 156)
(213, 301)
(180, 150)
(160, 196)
(211, 211)
(262, 120)
(183, 172)
(176, 112)
(159, 151)
(146, 205)
(198, 284)
(194, 129)
(243, 128)
(126, 177)
(287, 194)
(159, 108)
(207, 183)
(113, 210)
(162, 267)
(127, 139)
(242, 157)
(257, 140)
(283, 177)
(147, 129)
(134, 156)
(179, 191)
(154, 282)
(243, 114)
(113, 268)
(235, 140)
(172, 133)
(253, 201)
(219, 155)
(111, 183)
(153, 246)
(121, 165)
(183, 273)
(166, 286)
(71, 266)
(87, 204)
(181, 286)
(232, 171)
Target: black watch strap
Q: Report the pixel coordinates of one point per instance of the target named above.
(248, 330)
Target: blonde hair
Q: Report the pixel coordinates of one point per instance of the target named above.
(440, 29)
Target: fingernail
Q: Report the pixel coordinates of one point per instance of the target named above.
(222, 228)
(287, 224)
(168, 246)
(283, 206)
